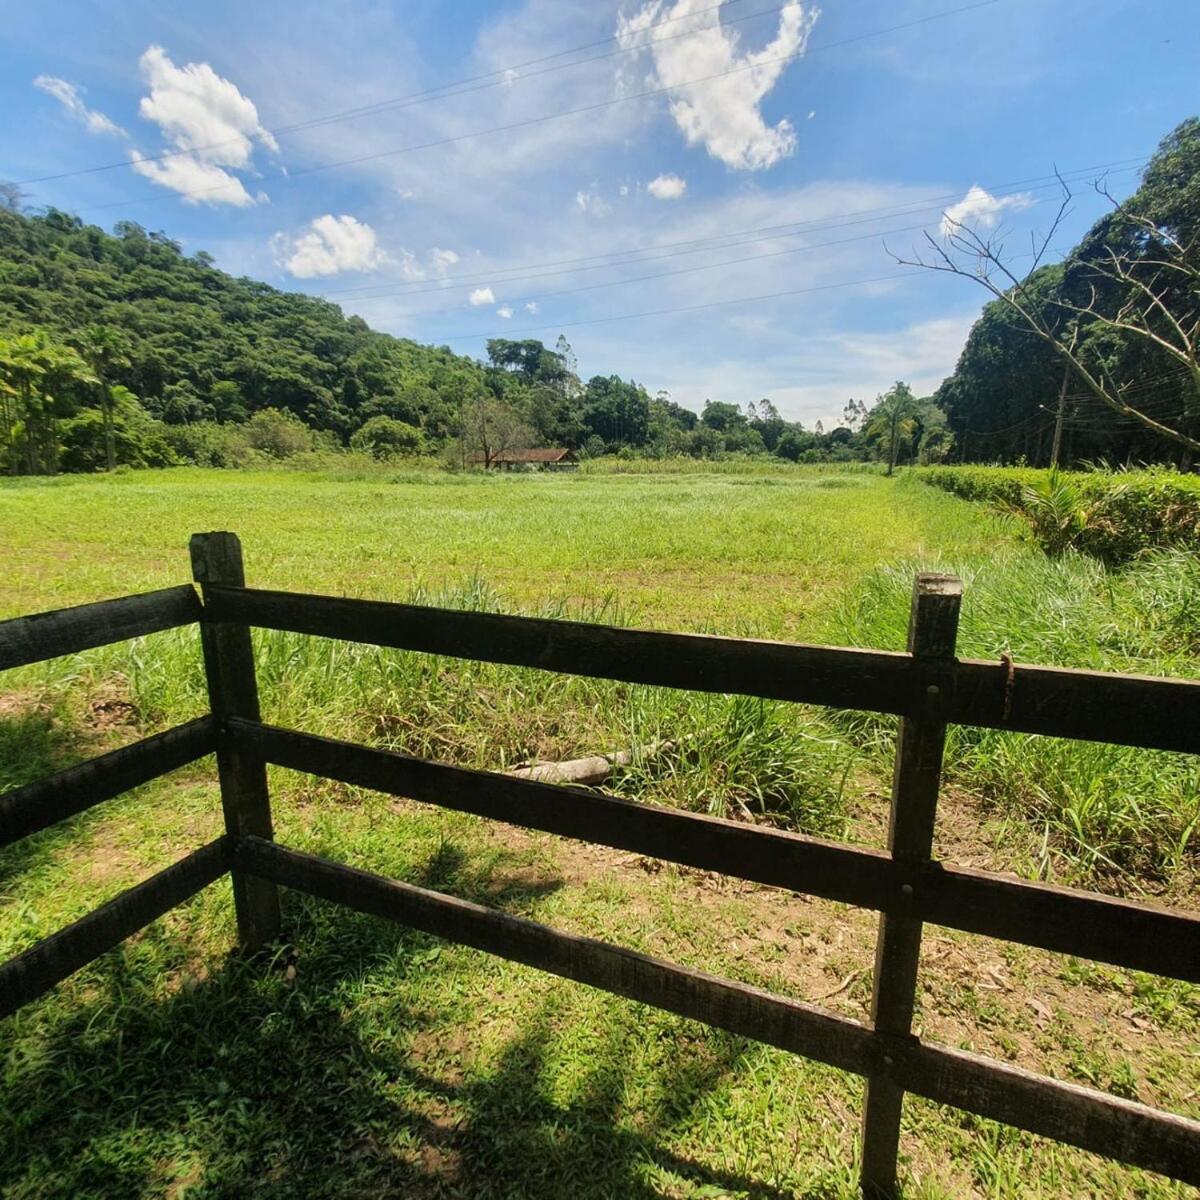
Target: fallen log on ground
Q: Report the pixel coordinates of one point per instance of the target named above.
(591, 770)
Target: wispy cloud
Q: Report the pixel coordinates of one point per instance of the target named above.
(442, 260)
(69, 96)
(593, 203)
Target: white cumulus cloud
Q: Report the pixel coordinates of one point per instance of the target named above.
(208, 124)
(68, 95)
(980, 209)
(667, 187)
(531, 307)
(481, 295)
(332, 245)
(197, 181)
(504, 312)
(722, 114)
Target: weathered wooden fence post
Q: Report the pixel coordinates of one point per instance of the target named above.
(932, 630)
(233, 692)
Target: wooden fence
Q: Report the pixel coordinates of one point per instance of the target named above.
(927, 687)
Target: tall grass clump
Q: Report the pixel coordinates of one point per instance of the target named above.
(743, 464)
(1105, 808)
(730, 756)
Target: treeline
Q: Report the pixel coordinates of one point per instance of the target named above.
(119, 349)
(1140, 344)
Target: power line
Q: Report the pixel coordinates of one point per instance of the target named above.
(545, 118)
(734, 262)
(1045, 424)
(717, 242)
(662, 312)
(431, 93)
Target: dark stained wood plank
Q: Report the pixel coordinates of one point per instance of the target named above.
(775, 670)
(233, 692)
(1137, 935)
(1092, 706)
(45, 802)
(1140, 936)
(1107, 1125)
(69, 630)
(1104, 1124)
(757, 853)
(932, 632)
(39, 968)
(1128, 710)
(789, 1024)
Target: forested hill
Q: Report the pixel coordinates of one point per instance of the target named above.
(198, 344)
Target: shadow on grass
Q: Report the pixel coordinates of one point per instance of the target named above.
(36, 739)
(236, 1084)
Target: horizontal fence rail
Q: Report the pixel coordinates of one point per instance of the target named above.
(62, 954)
(1126, 710)
(1078, 1116)
(31, 639)
(1137, 936)
(47, 801)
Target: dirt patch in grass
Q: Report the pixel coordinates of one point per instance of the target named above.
(1049, 1013)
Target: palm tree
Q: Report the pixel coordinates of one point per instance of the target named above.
(105, 349)
(21, 362)
(63, 369)
(893, 409)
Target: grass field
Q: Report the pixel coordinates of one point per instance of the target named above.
(386, 1063)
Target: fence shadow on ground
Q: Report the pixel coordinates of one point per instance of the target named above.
(254, 1086)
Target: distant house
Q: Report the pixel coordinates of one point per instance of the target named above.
(516, 460)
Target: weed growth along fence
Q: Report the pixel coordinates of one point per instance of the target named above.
(927, 686)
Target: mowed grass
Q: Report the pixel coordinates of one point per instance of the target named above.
(387, 1063)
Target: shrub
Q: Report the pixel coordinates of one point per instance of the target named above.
(207, 444)
(278, 433)
(138, 440)
(1114, 515)
(383, 438)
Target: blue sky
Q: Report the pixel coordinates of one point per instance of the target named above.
(776, 130)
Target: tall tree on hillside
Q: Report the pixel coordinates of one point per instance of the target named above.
(20, 363)
(105, 350)
(37, 379)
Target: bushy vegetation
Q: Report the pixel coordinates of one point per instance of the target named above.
(1115, 515)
